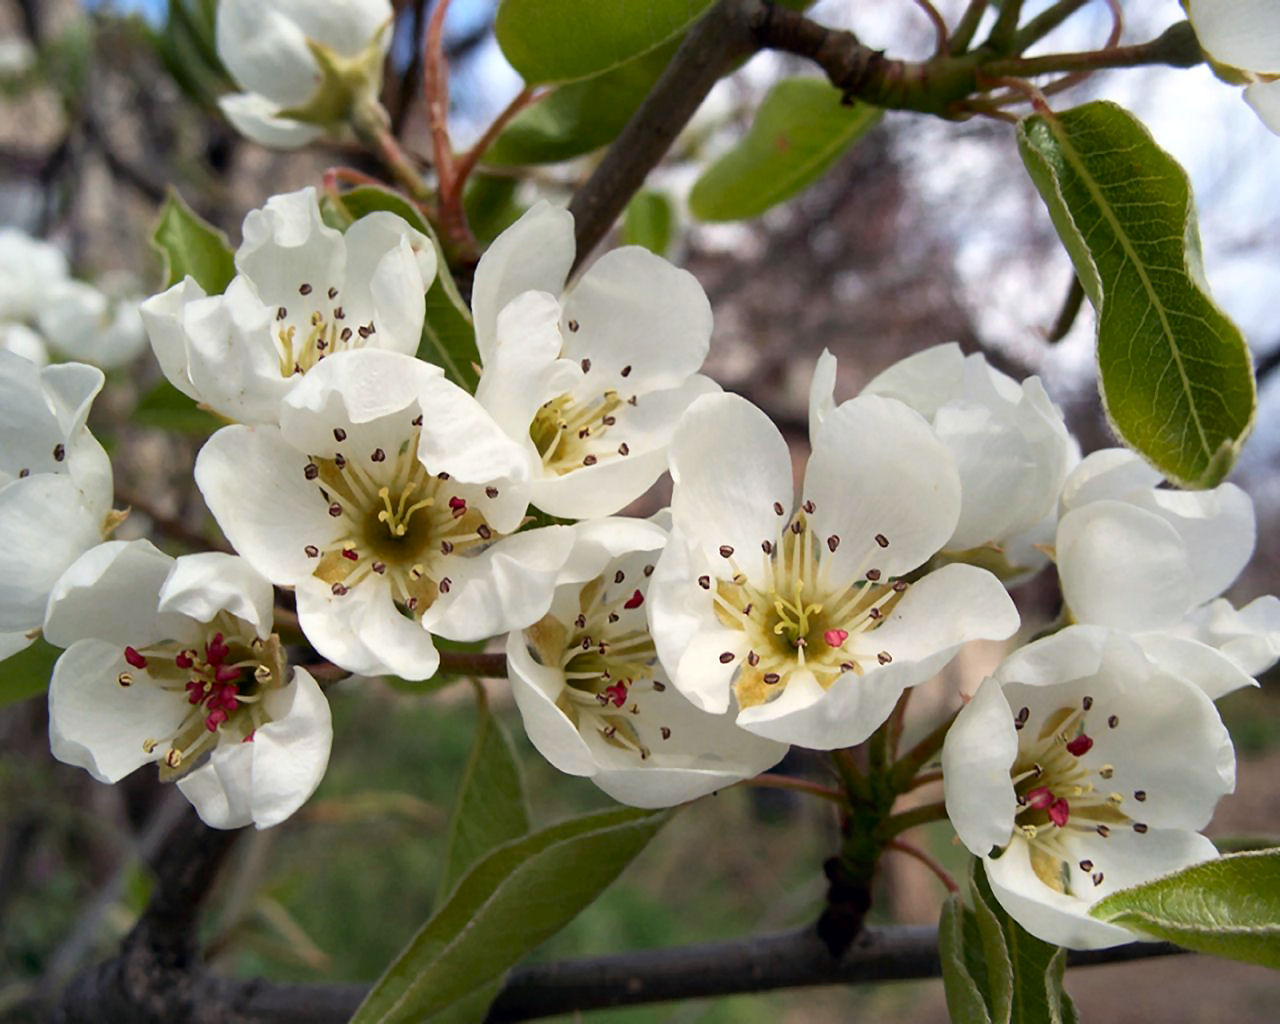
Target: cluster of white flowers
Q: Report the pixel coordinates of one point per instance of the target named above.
(662, 658)
(1244, 36)
(43, 307)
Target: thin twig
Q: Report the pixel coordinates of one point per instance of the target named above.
(939, 26)
(1044, 23)
(904, 820)
(902, 846)
(1068, 313)
(968, 25)
(473, 663)
(467, 162)
(770, 781)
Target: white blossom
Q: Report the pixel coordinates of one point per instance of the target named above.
(1245, 35)
(590, 378)
(1010, 444)
(174, 662)
(385, 498)
(595, 701)
(302, 66)
(1148, 560)
(55, 486)
(1081, 768)
(303, 291)
(800, 609)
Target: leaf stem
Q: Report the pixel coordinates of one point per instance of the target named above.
(768, 780)
(467, 162)
(1176, 47)
(905, 820)
(911, 850)
(968, 25)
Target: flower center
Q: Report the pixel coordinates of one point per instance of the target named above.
(605, 653)
(313, 329)
(1062, 791)
(398, 521)
(224, 680)
(798, 616)
(569, 434)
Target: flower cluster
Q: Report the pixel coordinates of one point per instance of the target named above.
(665, 657)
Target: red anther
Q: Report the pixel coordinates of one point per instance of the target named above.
(458, 504)
(1080, 746)
(1040, 797)
(215, 650)
(185, 659)
(215, 719)
(195, 691)
(1059, 812)
(617, 693)
(634, 601)
(350, 554)
(226, 673)
(835, 637)
(134, 658)
(249, 738)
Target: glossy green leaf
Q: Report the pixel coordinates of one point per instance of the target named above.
(448, 336)
(581, 116)
(167, 408)
(800, 130)
(649, 221)
(190, 245)
(967, 1001)
(565, 40)
(491, 808)
(514, 899)
(1175, 372)
(491, 204)
(26, 673)
(1229, 907)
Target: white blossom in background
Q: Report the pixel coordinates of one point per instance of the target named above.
(799, 609)
(595, 701)
(590, 378)
(1081, 768)
(1010, 444)
(1151, 561)
(303, 291)
(1245, 35)
(303, 66)
(174, 662)
(55, 486)
(385, 498)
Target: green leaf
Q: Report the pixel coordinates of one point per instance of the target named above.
(1176, 376)
(26, 673)
(1229, 907)
(188, 244)
(579, 117)
(491, 204)
(966, 1000)
(649, 221)
(448, 336)
(564, 40)
(800, 130)
(491, 807)
(514, 899)
(167, 408)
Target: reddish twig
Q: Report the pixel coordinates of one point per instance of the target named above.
(914, 851)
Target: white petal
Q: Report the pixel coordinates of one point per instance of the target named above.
(534, 254)
(390, 266)
(878, 469)
(1250, 637)
(1218, 529)
(265, 51)
(221, 789)
(346, 27)
(358, 386)
(202, 585)
(924, 381)
(1115, 473)
(329, 624)
(21, 340)
(977, 760)
(1264, 97)
(291, 752)
(99, 725)
(598, 542)
(162, 315)
(257, 119)
(634, 309)
(1242, 33)
(1198, 663)
(822, 392)
(12, 643)
(507, 586)
(536, 688)
(730, 465)
(401, 645)
(253, 483)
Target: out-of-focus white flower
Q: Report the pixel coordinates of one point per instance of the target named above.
(589, 380)
(595, 701)
(1010, 444)
(303, 67)
(303, 291)
(174, 662)
(1147, 560)
(29, 267)
(22, 341)
(1079, 769)
(17, 56)
(55, 486)
(1245, 35)
(799, 609)
(384, 497)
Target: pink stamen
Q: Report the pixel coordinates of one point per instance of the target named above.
(634, 601)
(226, 673)
(1059, 812)
(134, 658)
(617, 694)
(835, 637)
(195, 691)
(1080, 746)
(215, 719)
(1040, 797)
(249, 738)
(185, 659)
(458, 504)
(215, 650)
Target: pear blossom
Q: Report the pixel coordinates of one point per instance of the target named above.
(802, 610)
(595, 701)
(1245, 35)
(304, 67)
(385, 498)
(1010, 444)
(55, 486)
(590, 378)
(302, 291)
(1150, 561)
(1081, 768)
(174, 662)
